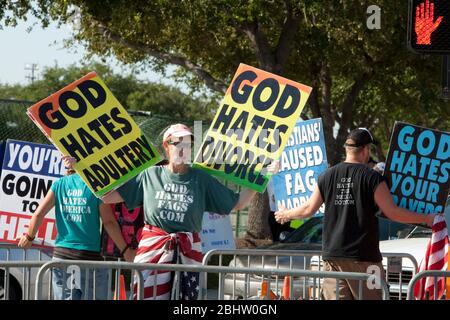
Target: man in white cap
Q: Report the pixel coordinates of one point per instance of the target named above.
(352, 193)
(174, 198)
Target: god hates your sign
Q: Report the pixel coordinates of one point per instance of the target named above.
(252, 126)
(85, 120)
(28, 171)
(417, 168)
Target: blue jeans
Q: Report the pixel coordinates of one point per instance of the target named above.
(71, 284)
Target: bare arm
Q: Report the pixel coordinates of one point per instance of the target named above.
(113, 229)
(112, 197)
(36, 220)
(306, 210)
(383, 199)
(245, 197)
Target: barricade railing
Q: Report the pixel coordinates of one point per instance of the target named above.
(10, 285)
(288, 259)
(18, 284)
(396, 275)
(435, 274)
(203, 270)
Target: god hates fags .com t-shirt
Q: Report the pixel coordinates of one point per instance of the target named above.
(350, 226)
(176, 202)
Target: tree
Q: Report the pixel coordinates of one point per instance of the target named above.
(359, 76)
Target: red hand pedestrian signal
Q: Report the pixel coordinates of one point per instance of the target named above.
(425, 23)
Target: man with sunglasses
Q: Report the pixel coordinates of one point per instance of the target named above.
(174, 197)
(352, 193)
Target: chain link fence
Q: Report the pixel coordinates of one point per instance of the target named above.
(15, 124)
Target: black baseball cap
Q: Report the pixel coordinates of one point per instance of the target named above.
(361, 137)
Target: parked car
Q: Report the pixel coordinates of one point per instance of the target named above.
(309, 237)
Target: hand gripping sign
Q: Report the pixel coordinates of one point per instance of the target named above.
(251, 127)
(84, 120)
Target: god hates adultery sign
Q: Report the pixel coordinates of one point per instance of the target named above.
(417, 168)
(85, 120)
(251, 127)
(28, 171)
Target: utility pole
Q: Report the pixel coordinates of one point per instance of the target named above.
(33, 67)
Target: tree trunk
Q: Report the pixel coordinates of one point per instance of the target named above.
(258, 218)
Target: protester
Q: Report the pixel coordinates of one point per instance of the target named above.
(352, 193)
(175, 197)
(77, 214)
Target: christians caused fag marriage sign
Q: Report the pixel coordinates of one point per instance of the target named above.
(417, 168)
(84, 120)
(303, 159)
(252, 126)
(28, 171)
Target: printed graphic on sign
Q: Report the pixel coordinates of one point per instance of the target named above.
(85, 120)
(303, 159)
(131, 223)
(28, 171)
(417, 168)
(217, 232)
(251, 127)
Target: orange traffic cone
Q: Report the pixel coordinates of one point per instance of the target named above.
(122, 292)
(287, 288)
(263, 295)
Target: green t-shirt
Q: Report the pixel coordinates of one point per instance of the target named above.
(77, 214)
(176, 202)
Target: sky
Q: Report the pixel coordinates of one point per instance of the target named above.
(44, 47)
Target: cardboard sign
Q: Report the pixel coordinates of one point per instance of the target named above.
(304, 158)
(84, 120)
(28, 171)
(130, 222)
(417, 168)
(217, 232)
(252, 126)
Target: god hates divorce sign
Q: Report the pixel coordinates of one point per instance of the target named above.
(417, 168)
(28, 171)
(84, 120)
(252, 126)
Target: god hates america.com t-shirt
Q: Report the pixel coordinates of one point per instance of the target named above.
(176, 202)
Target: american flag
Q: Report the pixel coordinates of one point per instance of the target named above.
(435, 259)
(158, 246)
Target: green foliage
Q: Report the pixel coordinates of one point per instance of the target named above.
(132, 93)
(360, 76)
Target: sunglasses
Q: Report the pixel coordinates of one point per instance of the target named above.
(181, 144)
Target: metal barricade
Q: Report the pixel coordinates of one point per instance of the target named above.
(425, 274)
(398, 273)
(274, 259)
(397, 279)
(18, 283)
(203, 271)
(10, 285)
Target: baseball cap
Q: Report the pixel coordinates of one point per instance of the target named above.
(361, 137)
(177, 130)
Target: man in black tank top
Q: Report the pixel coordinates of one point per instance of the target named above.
(352, 193)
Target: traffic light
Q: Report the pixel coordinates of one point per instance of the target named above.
(429, 26)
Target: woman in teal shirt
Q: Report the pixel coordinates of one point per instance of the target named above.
(77, 214)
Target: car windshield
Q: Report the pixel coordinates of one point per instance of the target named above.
(309, 232)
